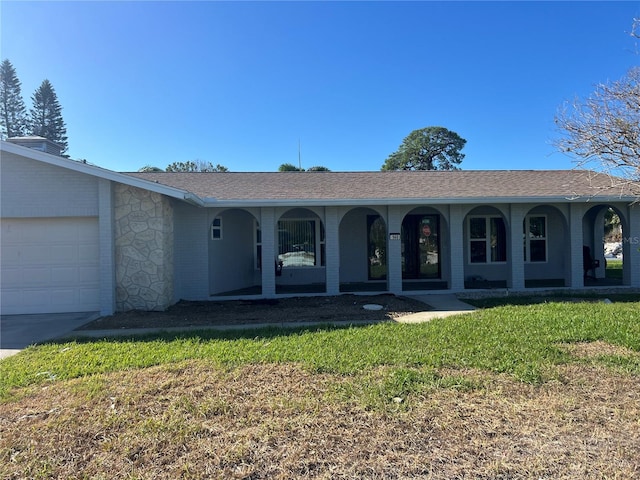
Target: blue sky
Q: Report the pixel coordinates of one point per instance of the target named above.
(241, 83)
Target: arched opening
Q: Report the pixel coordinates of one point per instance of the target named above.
(423, 237)
(300, 252)
(363, 251)
(234, 253)
(486, 247)
(546, 248)
(603, 231)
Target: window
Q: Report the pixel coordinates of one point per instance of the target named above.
(487, 240)
(535, 238)
(301, 243)
(258, 242)
(216, 229)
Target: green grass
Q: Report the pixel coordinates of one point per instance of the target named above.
(614, 269)
(521, 341)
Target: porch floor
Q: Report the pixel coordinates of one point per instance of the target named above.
(414, 286)
(363, 287)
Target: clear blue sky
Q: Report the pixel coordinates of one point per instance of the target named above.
(240, 83)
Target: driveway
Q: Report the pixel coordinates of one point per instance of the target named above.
(20, 331)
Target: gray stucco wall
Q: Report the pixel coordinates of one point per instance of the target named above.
(353, 246)
(191, 268)
(231, 259)
(29, 188)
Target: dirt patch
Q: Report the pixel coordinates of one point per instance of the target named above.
(597, 349)
(285, 310)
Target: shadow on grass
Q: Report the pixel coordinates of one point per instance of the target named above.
(205, 334)
(559, 297)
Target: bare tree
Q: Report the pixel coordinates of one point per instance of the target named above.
(603, 132)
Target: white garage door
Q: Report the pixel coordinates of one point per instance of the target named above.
(49, 265)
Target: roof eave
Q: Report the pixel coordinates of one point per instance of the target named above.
(99, 172)
(347, 202)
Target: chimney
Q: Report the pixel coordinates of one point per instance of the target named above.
(38, 143)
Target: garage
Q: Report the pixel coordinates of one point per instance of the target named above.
(49, 265)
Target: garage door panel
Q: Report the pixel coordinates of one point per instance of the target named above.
(88, 253)
(88, 274)
(61, 254)
(36, 276)
(65, 275)
(35, 254)
(9, 254)
(49, 265)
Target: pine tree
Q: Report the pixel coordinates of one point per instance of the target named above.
(46, 116)
(13, 112)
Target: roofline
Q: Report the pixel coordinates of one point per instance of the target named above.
(349, 202)
(99, 172)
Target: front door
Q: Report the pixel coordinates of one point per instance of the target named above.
(421, 246)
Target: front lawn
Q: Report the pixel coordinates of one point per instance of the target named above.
(536, 391)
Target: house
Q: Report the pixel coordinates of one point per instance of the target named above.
(76, 237)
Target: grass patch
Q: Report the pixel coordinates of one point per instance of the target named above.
(518, 340)
(547, 390)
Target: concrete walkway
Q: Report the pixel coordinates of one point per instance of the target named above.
(443, 306)
(20, 331)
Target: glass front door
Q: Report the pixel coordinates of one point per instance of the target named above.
(377, 246)
(421, 247)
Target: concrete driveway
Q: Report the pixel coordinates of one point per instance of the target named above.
(20, 331)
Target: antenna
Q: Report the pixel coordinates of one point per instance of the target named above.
(299, 159)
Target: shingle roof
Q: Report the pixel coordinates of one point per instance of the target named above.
(389, 186)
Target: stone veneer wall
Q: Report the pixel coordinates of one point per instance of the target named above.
(144, 249)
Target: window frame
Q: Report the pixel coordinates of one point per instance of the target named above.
(319, 240)
(216, 228)
(527, 238)
(486, 240)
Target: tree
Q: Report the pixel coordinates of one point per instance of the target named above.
(197, 166)
(289, 167)
(150, 168)
(46, 116)
(13, 112)
(602, 132)
(430, 148)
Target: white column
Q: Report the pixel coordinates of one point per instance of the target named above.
(631, 248)
(394, 251)
(456, 257)
(332, 249)
(516, 257)
(268, 227)
(576, 212)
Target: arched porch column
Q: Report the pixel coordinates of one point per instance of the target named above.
(576, 212)
(516, 257)
(456, 258)
(631, 248)
(268, 228)
(332, 250)
(394, 250)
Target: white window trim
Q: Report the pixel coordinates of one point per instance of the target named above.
(256, 244)
(527, 239)
(216, 228)
(487, 240)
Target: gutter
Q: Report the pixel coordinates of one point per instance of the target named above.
(346, 202)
